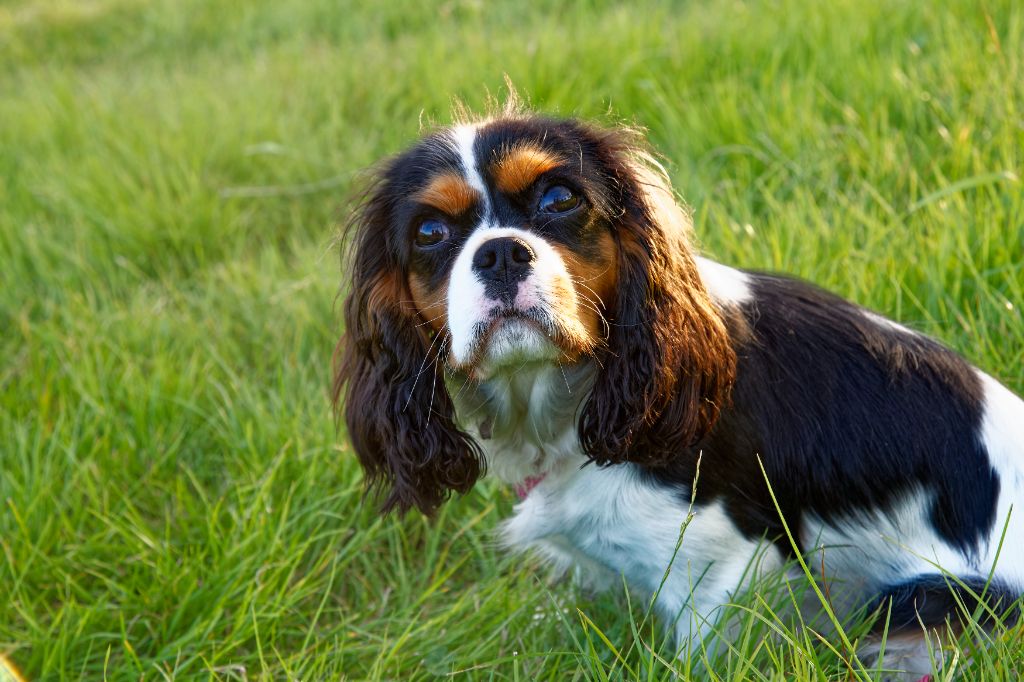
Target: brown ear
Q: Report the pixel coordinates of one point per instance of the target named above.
(389, 378)
(669, 366)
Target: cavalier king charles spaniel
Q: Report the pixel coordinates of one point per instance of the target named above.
(526, 300)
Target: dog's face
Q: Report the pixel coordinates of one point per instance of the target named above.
(510, 239)
(492, 245)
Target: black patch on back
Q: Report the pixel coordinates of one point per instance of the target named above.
(847, 415)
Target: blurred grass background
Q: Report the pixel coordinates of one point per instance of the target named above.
(175, 500)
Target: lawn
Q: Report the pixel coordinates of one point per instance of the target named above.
(175, 499)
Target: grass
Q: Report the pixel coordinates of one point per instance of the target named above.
(174, 499)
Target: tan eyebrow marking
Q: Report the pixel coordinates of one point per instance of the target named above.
(448, 192)
(519, 167)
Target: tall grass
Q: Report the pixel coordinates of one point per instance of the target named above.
(174, 499)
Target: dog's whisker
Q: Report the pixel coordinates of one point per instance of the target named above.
(596, 296)
(561, 368)
(419, 372)
(433, 319)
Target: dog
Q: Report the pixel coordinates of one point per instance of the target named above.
(525, 300)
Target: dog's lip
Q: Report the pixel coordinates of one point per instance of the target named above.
(534, 319)
(499, 319)
(505, 315)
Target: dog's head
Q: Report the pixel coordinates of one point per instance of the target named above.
(514, 240)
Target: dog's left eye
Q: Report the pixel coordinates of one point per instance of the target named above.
(558, 199)
(431, 232)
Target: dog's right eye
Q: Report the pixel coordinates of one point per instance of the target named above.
(431, 233)
(558, 199)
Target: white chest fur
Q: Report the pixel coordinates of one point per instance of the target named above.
(613, 521)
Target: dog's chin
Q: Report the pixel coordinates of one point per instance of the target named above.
(511, 343)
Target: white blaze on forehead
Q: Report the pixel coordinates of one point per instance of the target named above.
(463, 137)
(469, 307)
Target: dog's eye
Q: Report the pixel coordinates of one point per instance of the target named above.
(558, 199)
(431, 232)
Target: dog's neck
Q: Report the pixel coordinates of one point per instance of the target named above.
(525, 418)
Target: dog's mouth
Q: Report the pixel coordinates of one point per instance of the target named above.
(531, 318)
(512, 336)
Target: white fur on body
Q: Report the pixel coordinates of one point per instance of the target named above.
(610, 520)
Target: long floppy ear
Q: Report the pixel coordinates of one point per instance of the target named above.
(669, 367)
(389, 378)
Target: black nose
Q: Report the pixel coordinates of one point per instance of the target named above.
(504, 260)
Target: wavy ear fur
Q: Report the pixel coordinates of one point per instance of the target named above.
(669, 367)
(389, 380)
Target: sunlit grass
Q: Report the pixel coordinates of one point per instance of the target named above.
(175, 500)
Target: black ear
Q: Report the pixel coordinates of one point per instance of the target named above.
(389, 379)
(669, 366)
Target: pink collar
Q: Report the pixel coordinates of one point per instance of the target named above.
(531, 482)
